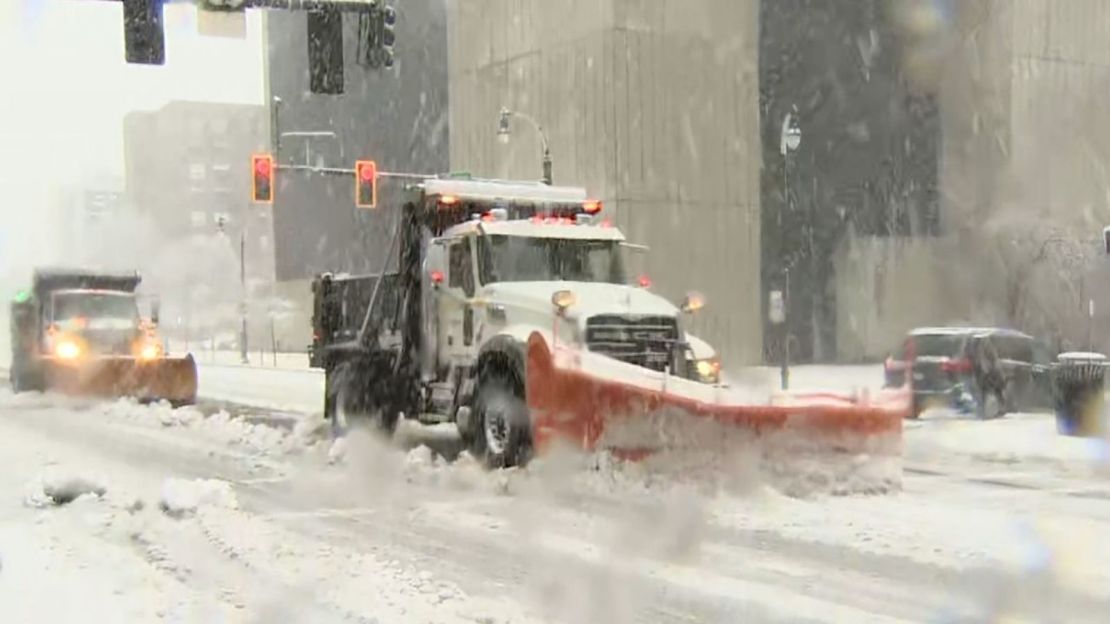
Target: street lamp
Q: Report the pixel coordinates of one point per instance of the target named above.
(504, 132)
(790, 139)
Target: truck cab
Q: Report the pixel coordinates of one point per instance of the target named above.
(79, 331)
(82, 322)
(494, 277)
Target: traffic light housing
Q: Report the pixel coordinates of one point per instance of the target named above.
(366, 184)
(388, 37)
(325, 51)
(262, 178)
(144, 38)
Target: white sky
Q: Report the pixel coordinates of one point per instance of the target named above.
(66, 89)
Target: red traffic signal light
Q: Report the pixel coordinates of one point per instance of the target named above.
(262, 178)
(366, 184)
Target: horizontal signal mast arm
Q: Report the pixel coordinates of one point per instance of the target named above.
(288, 5)
(310, 5)
(342, 171)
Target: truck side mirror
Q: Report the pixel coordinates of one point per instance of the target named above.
(155, 310)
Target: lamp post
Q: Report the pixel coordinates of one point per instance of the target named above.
(504, 132)
(790, 139)
(221, 222)
(243, 288)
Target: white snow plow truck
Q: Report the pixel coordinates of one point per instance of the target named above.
(511, 316)
(79, 332)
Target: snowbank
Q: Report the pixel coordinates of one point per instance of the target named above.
(65, 487)
(183, 497)
(222, 427)
(1015, 440)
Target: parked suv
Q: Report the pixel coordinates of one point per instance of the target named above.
(985, 371)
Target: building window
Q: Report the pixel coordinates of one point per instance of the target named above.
(221, 178)
(196, 176)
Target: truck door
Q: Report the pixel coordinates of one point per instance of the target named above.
(433, 355)
(455, 311)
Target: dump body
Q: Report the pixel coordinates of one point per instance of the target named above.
(79, 332)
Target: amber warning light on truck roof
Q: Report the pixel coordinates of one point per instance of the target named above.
(366, 184)
(262, 178)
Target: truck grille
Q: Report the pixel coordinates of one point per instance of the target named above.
(641, 340)
(109, 342)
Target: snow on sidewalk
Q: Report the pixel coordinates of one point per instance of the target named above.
(291, 390)
(1016, 440)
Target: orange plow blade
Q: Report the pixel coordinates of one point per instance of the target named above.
(168, 379)
(799, 442)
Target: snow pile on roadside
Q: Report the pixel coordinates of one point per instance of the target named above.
(222, 427)
(63, 487)
(1015, 439)
(183, 497)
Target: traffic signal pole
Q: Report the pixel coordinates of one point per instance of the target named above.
(243, 288)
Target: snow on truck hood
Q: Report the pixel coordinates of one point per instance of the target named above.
(593, 298)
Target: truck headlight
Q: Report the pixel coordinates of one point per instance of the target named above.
(150, 351)
(66, 349)
(709, 370)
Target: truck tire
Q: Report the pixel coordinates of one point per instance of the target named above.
(504, 435)
(23, 380)
(348, 402)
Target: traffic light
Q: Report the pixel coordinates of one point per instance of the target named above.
(325, 51)
(366, 184)
(144, 39)
(1106, 238)
(262, 178)
(389, 20)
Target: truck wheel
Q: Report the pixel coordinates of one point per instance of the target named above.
(346, 404)
(24, 381)
(504, 437)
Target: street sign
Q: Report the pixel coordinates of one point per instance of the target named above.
(777, 308)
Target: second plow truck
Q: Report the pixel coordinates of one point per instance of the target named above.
(79, 332)
(510, 315)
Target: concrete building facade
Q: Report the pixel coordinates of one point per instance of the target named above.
(943, 144)
(193, 226)
(653, 107)
(1024, 164)
(187, 172)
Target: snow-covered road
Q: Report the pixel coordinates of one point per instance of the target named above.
(996, 519)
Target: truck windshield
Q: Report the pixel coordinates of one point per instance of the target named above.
(522, 259)
(69, 306)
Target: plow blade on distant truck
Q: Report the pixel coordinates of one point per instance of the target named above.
(799, 443)
(164, 379)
